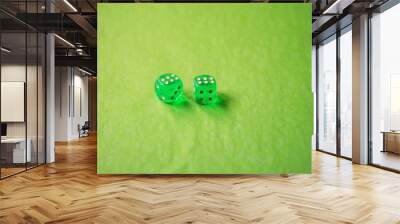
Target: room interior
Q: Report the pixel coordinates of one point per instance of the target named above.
(22, 103)
(81, 128)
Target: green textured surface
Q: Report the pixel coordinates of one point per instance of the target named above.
(260, 55)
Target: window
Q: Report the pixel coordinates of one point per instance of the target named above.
(385, 89)
(346, 92)
(333, 137)
(327, 95)
(22, 77)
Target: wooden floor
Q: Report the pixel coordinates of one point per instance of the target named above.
(70, 191)
(387, 159)
(5, 172)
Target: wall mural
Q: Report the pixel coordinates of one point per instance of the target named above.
(159, 109)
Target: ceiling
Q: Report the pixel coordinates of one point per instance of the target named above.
(75, 21)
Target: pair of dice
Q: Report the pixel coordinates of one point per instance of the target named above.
(169, 87)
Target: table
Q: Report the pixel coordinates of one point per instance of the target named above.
(17, 150)
(391, 141)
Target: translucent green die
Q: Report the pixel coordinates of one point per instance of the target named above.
(168, 87)
(205, 89)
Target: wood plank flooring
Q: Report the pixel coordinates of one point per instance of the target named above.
(5, 172)
(70, 191)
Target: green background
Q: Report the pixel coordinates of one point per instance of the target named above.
(260, 55)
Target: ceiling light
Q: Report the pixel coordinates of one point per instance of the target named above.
(5, 50)
(338, 6)
(64, 40)
(70, 5)
(79, 51)
(84, 71)
(326, 11)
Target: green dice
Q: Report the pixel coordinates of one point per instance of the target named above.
(168, 87)
(205, 89)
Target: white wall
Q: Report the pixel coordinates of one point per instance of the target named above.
(79, 103)
(71, 102)
(35, 123)
(16, 72)
(62, 82)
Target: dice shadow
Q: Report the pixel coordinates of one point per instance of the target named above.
(223, 101)
(182, 105)
(219, 108)
(181, 102)
(186, 104)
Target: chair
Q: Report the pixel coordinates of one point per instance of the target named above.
(84, 130)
